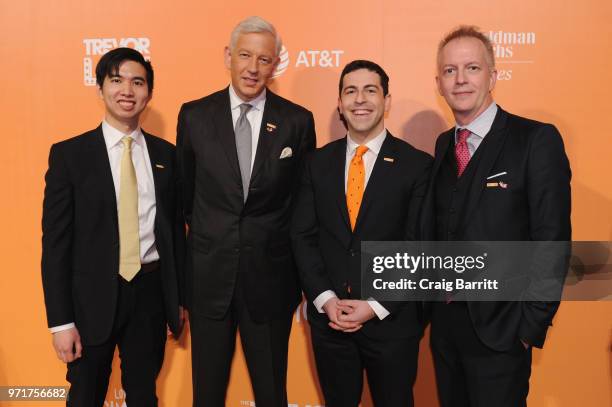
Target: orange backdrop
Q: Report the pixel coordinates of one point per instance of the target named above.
(554, 61)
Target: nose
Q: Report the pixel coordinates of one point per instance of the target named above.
(461, 76)
(359, 97)
(126, 88)
(253, 66)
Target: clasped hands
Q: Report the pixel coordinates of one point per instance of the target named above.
(347, 315)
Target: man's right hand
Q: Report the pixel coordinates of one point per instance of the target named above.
(334, 310)
(67, 345)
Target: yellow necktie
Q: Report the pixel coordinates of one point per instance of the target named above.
(355, 184)
(129, 239)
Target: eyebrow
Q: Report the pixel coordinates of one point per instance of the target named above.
(370, 85)
(116, 75)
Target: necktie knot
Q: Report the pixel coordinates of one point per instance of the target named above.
(361, 150)
(462, 135)
(244, 108)
(127, 142)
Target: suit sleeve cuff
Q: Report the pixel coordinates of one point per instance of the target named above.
(60, 328)
(322, 299)
(380, 311)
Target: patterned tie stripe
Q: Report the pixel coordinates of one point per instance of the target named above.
(355, 184)
(462, 154)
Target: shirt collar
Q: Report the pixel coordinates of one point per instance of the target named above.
(112, 136)
(373, 145)
(481, 125)
(257, 103)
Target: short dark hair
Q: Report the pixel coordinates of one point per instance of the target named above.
(370, 66)
(111, 61)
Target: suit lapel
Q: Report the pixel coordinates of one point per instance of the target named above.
(338, 183)
(154, 158)
(224, 126)
(99, 154)
(377, 180)
(428, 212)
(271, 115)
(495, 140)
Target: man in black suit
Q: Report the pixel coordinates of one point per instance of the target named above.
(240, 152)
(496, 177)
(367, 186)
(113, 242)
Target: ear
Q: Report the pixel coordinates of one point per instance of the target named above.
(340, 110)
(275, 63)
(100, 92)
(387, 102)
(228, 57)
(493, 79)
(439, 85)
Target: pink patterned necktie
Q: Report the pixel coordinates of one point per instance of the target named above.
(462, 154)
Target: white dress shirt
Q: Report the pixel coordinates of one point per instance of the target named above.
(146, 190)
(478, 128)
(254, 116)
(369, 159)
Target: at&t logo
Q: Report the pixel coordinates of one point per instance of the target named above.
(309, 59)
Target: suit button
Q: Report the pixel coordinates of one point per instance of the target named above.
(455, 189)
(236, 249)
(353, 253)
(452, 210)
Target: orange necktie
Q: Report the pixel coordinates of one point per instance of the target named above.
(355, 184)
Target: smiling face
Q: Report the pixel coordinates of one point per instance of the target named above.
(251, 62)
(363, 104)
(465, 79)
(125, 94)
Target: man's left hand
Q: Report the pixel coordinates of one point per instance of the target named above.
(361, 311)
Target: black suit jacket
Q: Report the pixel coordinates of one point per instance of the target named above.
(328, 252)
(80, 244)
(534, 207)
(226, 234)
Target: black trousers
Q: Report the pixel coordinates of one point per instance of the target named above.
(265, 347)
(139, 330)
(468, 373)
(390, 364)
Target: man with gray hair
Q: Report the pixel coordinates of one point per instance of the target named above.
(240, 151)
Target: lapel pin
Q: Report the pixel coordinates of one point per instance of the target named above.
(503, 185)
(159, 166)
(492, 184)
(270, 127)
(388, 159)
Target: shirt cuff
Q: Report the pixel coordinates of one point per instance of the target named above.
(380, 311)
(60, 328)
(322, 298)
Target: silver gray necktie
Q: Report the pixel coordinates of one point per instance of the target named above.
(244, 147)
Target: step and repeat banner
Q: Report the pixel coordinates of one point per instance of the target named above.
(554, 65)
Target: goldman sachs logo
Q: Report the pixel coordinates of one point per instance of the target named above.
(512, 49)
(506, 43)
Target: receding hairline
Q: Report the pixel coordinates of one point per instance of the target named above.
(255, 24)
(467, 31)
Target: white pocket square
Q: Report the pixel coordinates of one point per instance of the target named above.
(499, 174)
(286, 153)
